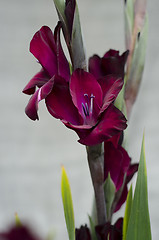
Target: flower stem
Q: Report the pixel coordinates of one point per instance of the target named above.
(96, 170)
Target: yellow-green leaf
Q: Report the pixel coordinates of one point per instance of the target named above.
(67, 205)
(127, 213)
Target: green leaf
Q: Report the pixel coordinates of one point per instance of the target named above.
(127, 212)
(139, 222)
(92, 227)
(109, 192)
(60, 7)
(67, 204)
(77, 46)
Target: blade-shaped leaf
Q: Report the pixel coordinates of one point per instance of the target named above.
(60, 7)
(127, 213)
(77, 46)
(109, 192)
(67, 204)
(92, 227)
(139, 222)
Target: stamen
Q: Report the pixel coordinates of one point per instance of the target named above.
(88, 104)
(84, 109)
(87, 109)
(86, 95)
(91, 105)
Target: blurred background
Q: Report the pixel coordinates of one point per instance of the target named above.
(31, 153)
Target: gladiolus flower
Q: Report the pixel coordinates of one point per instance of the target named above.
(118, 163)
(47, 49)
(113, 231)
(83, 233)
(18, 233)
(110, 63)
(85, 105)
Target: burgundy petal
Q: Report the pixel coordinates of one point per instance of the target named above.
(116, 161)
(113, 231)
(32, 107)
(111, 86)
(42, 46)
(83, 233)
(122, 199)
(38, 80)
(112, 63)
(59, 103)
(112, 121)
(133, 168)
(113, 163)
(69, 13)
(86, 94)
(102, 231)
(63, 68)
(18, 233)
(95, 66)
(111, 53)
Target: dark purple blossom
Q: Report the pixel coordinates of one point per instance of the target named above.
(113, 231)
(118, 163)
(110, 63)
(83, 233)
(81, 101)
(18, 233)
(85, 105)
(47, 49)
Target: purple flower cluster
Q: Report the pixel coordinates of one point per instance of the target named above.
(82, 100)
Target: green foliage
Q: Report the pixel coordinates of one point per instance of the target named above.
(109, 192)
(139, 221)
(60, 7)
(77, 46)
(68, 205)
(127, 213)
(92, 228)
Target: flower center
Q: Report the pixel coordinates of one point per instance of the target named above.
(87, 105)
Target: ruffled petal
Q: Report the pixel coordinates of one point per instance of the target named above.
(111, 86)
(133, 168)
(112, 122)
(32, 107)
(95, 66)
(59, 103)
(42, 46)
(111, 53)
(38, 80)
(116, 162)
(122, 199)
(112, 63)
(86, 94)
(113, 160)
